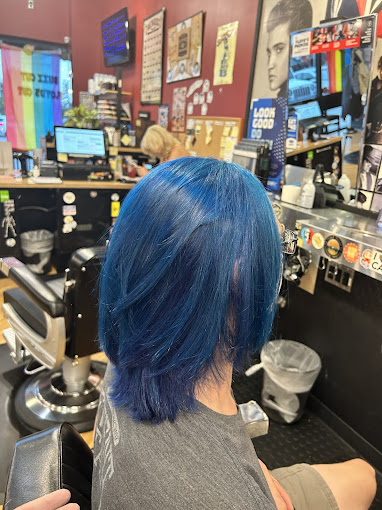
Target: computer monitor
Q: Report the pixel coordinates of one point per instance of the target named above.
(307, 110)
(80, 142)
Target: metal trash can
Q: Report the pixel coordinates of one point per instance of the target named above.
(37, 246)
(290, 369)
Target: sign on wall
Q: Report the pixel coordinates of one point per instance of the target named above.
(184, 49)
(152, 57)
(225, 53)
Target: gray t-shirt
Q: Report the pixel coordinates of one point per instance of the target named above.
(204, 460)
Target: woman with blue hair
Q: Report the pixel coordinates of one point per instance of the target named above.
(188, 292)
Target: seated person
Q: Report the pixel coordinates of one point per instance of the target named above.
(188, 291)
(157, 142)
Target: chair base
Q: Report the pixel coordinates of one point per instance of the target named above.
(43, 401)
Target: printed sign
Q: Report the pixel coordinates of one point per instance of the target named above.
(351, 252)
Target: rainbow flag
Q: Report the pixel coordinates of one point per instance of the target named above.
(32, 97)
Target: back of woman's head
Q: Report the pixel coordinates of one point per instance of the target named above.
(190, 278)
(157, 141)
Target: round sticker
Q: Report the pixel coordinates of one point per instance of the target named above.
(307, 235)
(73, 224)
(93, 194)
(366, 258)
(68, 219)
(10, 242)
(115, 197)
(66, 229)
(318, 240)
(69, 197)
(333, 247)
(351, 252)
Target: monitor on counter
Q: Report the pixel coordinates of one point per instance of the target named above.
(80, 142)
(115, 39)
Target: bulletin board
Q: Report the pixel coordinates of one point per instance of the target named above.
(213, 136)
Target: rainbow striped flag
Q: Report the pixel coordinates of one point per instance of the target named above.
(32, 97)
(335, 60)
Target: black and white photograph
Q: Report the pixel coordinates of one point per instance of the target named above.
(371, 160)
(363, 199)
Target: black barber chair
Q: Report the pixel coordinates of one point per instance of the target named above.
(54, 459)
(53, 332)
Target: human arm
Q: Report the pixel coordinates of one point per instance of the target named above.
(54, 501)
(281, 497)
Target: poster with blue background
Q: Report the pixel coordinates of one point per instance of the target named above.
(267, 122)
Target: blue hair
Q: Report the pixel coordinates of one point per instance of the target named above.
(191, 274)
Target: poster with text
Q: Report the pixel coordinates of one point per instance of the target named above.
(163, 114)
(225, 53)
(152, 52)
(178, 118)
(184, 49)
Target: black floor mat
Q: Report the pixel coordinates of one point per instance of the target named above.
(309, 440)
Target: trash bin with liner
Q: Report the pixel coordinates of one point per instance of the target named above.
(37, 246)
(290, 369)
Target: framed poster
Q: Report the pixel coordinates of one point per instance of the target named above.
(152, 58)
(184, 49)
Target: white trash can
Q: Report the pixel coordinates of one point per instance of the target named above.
(37, 246)
(290, 369)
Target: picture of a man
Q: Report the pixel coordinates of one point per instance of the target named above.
(286, 16)
(374, 120)
(370, 164)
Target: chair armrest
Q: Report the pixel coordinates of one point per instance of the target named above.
(34, 286)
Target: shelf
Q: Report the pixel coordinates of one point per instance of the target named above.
(112, 117)
(129, 149)
(114, 92)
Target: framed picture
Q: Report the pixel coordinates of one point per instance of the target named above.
(152, 58)
(184, 49)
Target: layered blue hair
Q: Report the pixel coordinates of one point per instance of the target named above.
(190, 277)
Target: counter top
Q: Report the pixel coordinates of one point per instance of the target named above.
(309, 146)
(8, 183)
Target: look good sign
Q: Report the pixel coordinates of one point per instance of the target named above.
(263, 118)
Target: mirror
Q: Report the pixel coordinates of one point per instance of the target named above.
(328, 89)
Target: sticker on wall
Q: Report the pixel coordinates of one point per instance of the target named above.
(8, 223)
(68, 219)
(93, 194)
(195, 98)
(10, 242)
(69, 197)
(66, 229)
(307, 235)
(333, 247)
(206, 86)
(210, 96)
(204, 109)
(201, 98)
(318, 241)
(376, 262)
(73, 224)
(190, 108)
(351, 253)
(366, 258)
(194, 86)
(115, 197)
(115, 207)
(4, 195)
(300, 242)
(69, 210)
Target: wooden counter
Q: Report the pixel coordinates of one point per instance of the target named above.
(309, 146)
(11, 183)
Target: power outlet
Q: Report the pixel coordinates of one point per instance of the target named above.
(30, 4)
(340, 276)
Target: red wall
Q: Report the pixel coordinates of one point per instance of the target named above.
(51, 20)
(229, 100)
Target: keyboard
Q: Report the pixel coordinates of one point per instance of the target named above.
(46, 180)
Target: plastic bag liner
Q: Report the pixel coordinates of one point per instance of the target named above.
(290, 369)
(37, 246)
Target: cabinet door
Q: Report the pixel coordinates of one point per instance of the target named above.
(84, 217)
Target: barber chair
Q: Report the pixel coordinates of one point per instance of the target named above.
(53, 333)
(46, 461)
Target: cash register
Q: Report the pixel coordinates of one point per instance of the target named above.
(83, 152)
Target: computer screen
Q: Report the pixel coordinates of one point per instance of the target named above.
(89, 142)
(307, 110)
(115, 39)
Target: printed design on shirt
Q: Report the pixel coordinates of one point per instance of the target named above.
(107, 437)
